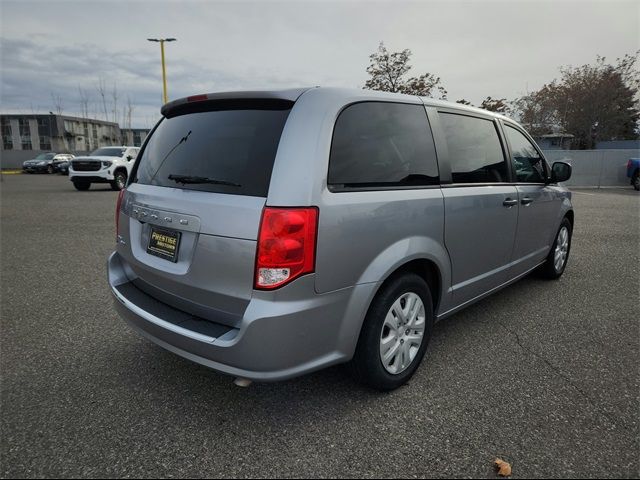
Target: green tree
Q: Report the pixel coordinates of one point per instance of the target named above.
(388, 71)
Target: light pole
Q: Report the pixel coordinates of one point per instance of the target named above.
(164, 74)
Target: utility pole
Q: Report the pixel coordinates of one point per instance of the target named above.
(164, 73)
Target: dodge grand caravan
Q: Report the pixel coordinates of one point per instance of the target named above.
(270, 234)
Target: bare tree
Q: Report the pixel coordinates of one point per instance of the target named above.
(114, 99)
(130, 108)
(102, 91)
(84, 102)
(58, 104)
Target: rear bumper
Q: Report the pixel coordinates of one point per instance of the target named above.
(282, 334)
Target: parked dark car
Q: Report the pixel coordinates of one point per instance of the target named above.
(61, 163)
(42, 163)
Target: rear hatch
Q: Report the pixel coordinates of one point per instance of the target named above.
(191, 213)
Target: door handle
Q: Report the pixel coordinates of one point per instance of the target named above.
(509, 202)
(526, 200)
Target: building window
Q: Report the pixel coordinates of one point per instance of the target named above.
(7, 138)
(137, 141)
(25, 134)
(45, 142)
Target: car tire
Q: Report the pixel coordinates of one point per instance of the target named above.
(120, 180)
(50, 169)
(81, 185)
(636, 181)
(368, 365)
(556, 262)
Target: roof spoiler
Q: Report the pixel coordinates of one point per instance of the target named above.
(232, 100)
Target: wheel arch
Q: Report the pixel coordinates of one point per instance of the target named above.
(570, 216)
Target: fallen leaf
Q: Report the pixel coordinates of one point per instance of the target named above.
(504, 468)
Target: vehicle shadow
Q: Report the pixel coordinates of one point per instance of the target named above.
(191, 389)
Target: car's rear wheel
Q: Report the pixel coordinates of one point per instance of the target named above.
(395, 333)
(50, 169)
(81, 185)
(119, 180)
(636, 181)
(556, 262)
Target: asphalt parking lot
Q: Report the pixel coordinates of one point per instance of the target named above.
(543, 374)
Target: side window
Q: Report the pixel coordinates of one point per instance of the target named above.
(527, 162)
(475, 151)
(382, 144)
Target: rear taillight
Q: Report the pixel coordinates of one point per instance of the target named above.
(286, 245)
(118, 205)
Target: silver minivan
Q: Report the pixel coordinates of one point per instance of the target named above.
(269, 234)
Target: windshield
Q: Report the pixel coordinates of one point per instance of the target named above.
(108, 152)
(45, 156)
(224, 151)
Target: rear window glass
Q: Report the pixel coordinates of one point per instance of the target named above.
(382, 144)
(224, 151)
(108, 152)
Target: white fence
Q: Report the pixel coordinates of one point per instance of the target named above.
(595, 168)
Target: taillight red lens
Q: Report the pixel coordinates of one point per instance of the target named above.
(197, 98)
(118, 205)
(286, 245)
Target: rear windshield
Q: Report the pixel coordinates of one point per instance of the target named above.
(108, 152)
(236, 148)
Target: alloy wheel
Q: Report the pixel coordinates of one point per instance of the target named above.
(562, 249)
(402, 333)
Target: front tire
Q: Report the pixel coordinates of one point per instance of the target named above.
(119, 181)
(636, 181)
(395, 334)
(81, 185)
(558, 257)
(50, 169)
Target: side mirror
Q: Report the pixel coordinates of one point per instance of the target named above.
(560, 172)
(129, 157)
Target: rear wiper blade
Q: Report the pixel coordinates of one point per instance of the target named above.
(189, 179)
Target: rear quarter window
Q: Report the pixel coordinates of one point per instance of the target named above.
(381, 144)
(235, 146)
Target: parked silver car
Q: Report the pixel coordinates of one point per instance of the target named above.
(270, 234)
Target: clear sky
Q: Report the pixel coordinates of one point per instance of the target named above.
(478, 48)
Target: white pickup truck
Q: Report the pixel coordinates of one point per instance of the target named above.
(105, 165)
